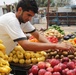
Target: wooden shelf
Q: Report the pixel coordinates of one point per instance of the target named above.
(67, 18)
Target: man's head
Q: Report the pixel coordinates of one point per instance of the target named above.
(26, 9)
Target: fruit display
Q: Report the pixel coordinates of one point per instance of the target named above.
(53, 66)
(4, 64)
(56, 27)
(69, 36)
(73, 41)
(60, 54)
(53, 32)
(53, 39)
(19, 55)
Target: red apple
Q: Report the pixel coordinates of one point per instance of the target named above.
(74, 70)
(47, 64)
(71, 65)
(30, 74)
(57, 68)
(65, 71)
(41, 72)
(48, 73)
(48, 60)
(70, 72)
(50, 69)
(56, 73)
(34, 69)
(29, 70)
(54, 62)
(41, 65)
(63, 66)
(65, 59)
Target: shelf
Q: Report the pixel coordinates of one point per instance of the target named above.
(72, 16)
(62, 17)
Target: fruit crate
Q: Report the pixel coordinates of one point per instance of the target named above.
(18, 69)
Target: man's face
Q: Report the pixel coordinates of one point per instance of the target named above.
(25, 16)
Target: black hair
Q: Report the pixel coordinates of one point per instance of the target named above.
(27, 5)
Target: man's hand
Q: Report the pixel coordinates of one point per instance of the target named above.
(65, 46)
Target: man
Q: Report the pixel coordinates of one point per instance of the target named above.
(13, 25)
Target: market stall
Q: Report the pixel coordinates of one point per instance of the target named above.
(52, 61)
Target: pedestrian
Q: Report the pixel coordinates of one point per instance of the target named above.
(13, 26)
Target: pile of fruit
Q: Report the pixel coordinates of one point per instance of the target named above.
(4, 64)
(56, 27)
(69, 36)
(73, 41)
(54, 30)
(19, 55)
(53, 39)
(60, 54)
(54, 67)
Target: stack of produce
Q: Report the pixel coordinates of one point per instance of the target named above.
(19, 55)
(54, 31)
(54, 67)
(69, 36)
(4, 65)
(60, 54)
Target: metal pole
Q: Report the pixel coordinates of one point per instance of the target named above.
(48, 13)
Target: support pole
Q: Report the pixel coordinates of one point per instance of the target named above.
(48, 13)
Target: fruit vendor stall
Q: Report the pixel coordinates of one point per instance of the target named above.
(51, 62)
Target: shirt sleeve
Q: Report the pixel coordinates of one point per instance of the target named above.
(28, 27)
(14, 30)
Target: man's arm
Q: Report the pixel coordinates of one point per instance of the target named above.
(40, 37)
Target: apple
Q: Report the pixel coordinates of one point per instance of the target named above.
(54, 62)
(74, 70)
(57, 68)
(70, 72)
(48, 60)
(71, 65)
(41, 72)
(47, 64)
(29, 71)
(30, 74)
(48, 73)
(41, 65)
(34, 69)
(56, 73)
(65, 71)
(63, 66)
(65, 59)
(50, 69)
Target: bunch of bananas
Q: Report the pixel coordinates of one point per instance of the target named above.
(4, 64)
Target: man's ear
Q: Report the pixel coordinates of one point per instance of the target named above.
(20, 10)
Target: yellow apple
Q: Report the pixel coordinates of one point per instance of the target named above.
(28, 61)
(27, 55)
(15, 60)
(10, 59)
(34, 60)
(21, 61)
